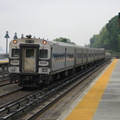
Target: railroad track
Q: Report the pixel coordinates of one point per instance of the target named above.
(4, 82)
(4, 79)
(9, 93)
(13, 110)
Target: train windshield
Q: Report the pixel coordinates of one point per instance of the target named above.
(15, 52)
(43, 53)
(29, 53)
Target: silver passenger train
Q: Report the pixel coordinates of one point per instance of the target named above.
(34, 62)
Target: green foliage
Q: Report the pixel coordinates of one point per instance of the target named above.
(65, 40)
(109, 36)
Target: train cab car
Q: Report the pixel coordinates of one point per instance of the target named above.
(29, 59)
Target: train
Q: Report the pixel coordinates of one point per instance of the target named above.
(34, 62)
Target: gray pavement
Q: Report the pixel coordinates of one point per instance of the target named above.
(109, 107)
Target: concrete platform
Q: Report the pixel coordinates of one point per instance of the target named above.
(109, 107)
(102, 100)
(4, 60)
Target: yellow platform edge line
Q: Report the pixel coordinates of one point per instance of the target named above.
(3, 61)
(87, 107)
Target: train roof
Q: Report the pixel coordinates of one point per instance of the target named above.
(22, 40)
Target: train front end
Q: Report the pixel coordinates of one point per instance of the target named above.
(29, 62)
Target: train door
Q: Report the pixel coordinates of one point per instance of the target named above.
(75, 57)
(29, 59)
(65, 57)
(82, 56)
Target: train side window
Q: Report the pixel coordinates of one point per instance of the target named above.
(29, 53)
(15, 52)
(43, 53)
(70, 56)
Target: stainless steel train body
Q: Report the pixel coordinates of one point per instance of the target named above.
(33, 62)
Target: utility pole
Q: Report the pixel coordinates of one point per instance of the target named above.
(119, 19)
(7, 36)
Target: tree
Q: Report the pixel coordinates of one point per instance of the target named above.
(113, 33)
(108, 37)
(65, 40)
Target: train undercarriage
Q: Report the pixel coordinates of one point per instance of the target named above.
(38, 80)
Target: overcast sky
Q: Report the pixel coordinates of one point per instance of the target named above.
(77, 20)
